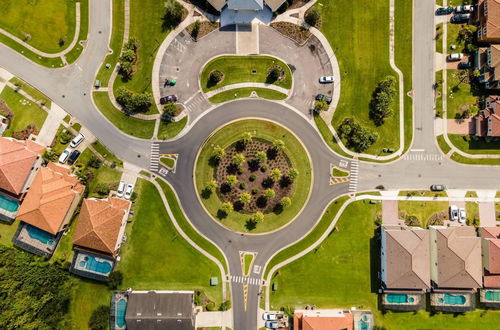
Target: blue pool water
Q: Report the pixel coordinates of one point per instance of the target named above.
(492, 295)
(451, 299)
(121, 308)
(399, 298)
(8, 204)
(41, 235)
(90, 263)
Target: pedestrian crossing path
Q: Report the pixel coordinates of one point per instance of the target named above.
(195, 102)
(354, 172)
(422, 157)
(155, 157)
(245, 280)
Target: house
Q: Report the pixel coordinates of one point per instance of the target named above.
(405, 267)
(19, 162)
(144, 310)
(47, 209)
(256, 5)
(332, 319)
(490, 240)
(487, 121)
(487, 62)
(488, 18)
(98, 236)
(245, 11)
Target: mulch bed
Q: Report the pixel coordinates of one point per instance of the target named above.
(205, 28)
(293, 31)
(258, 203)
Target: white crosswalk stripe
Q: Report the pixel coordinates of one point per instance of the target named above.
(245, 280)
(354, 172)
(155, 157)
(195, 102)
(423, 157)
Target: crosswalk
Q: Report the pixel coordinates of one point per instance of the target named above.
(195, 102)
(245, 280)
(353, 182)
(422, 157)
(155, 157)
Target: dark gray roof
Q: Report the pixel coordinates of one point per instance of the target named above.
(245, 4)
(160, 310)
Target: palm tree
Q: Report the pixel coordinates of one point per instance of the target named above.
(279, 145)
(245, 198)
(211, 185)
(269, 193)
(238, 159)
(286, 202)
(293, 173)
(261, 156)
(257, 217)
(246, 137)
(275, 174)
(219, 152)
(231, 180)
(227, 207)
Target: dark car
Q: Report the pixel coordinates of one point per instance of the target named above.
(464, 65)
(169, 98)
(460, 18)
(72, 158)
(444, 11)
(438, 187)
(323, 97)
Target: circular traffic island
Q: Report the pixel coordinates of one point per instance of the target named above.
(253, 176)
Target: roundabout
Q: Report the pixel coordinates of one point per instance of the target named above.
(253, 176)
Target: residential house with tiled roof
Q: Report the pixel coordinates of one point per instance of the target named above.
(487, 121)
(245, 12)
(98, 236)
(331, 319)
(487, 61)
(47, 209)
(488, 18)
(220, 5)
(490, 240)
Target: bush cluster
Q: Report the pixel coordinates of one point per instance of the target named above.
(128, 58)
(383, 100)
(132, 101)
(358, 137)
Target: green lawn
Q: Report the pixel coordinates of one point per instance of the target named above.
(133, 126)
(103, 151)
(471, 194)
(474, 147)
(472, 210)
(339, 172)
(31, 91)
(439, 39)
(46, 21)
(422, 210)
(459, 95)
(167, 261)
(87, 296)
(248, 262)
(328, 137)
(54, 62)
(169, 130)
(423, 193)
(439, 94)
(445, 148)
(74, 53)
(25, 112)
(363, 55)
(239, 69)
(7, 232)
(342, 272)
(474, 161)
(451, 39)
(168, 162)
(270, 132)
(239, 93)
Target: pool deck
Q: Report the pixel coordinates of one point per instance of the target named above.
(437, 302)
(23, 240)
(417, 304)
(486, 302)
(82, 271)
(117, 296)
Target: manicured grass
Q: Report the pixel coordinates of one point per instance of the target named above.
(339, 172)
(54, 62)
(115, 43)
(479, 146)
(31, 91)
(74, 53)
(452, 39)
(270, 132)
(328, 137)
(471, 194)
(25, 112)
(248, 262)
(439, 94)
(472, 210)
(363, 55)
(103, 151)
(459, 95)
(423, 193)
(87, 296)
(439, 40)
(7, 232)
(238, 69)
(313, 236)
(475, 161)
(445, 148)
(342, 273)
(157, 257)
(145, 173)
(186, 226)
(422, 210)
(64, 251)
(133, 126)
(168, 162)
(239, 93)
(168, 130)
(46, 21)
(77, 127)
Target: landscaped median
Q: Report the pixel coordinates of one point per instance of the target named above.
(464, 146)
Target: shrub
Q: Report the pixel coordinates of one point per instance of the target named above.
(238, 159)
(269, 193)
(383, 100)
(173, 14)
(215, 77)
(257, 217)
(255, 191)
(243, 185)
(94, 162)
(231, 180)
(49, 156)
(132, 101)
(225, 305)
(210, 306)
(313, 16)
(412, 220)
(102, 189)
(115, 279)
(196, 29)
(219, 152)
(264, 168)
(171, 109)
(320, 105)
(245, 198)
(261, 156)
(252, 177)
(65, 136)
(227, 208)
(275, 174)
(246, 137)
(273, 75)
(99, 320)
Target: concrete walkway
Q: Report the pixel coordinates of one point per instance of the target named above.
(51, 125)
(214, 319)
(390, 214)
(245, 85)
(487, 214)
(5, 76)
(247, 39)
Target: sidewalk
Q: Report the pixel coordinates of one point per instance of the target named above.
(49, 129)
(244, 85)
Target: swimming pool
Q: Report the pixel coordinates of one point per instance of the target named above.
(89, 262)
(121, 308)
(41, 235)
(8, 204)
(399, 298)
(451, 299)
(492, 295)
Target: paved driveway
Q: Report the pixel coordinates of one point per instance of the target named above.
(461, 126)
(487, 214)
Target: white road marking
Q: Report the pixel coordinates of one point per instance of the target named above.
(354, 172)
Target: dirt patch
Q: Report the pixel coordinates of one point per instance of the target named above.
(204, 28)
(292, 31)
(25, 133)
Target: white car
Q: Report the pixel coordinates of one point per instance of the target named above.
(267, 316)
(453, 212)
(272, 325)
(326, 79)
(461, 215)
(128, 191)
(77, 140)
(464, 9)
(121, 189)
(64, 155)
(455, 57)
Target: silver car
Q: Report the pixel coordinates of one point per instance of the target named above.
(453, 212)
(461, 215)
(326, 79)
(64, 156)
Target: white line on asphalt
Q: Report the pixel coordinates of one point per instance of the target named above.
(417, 150)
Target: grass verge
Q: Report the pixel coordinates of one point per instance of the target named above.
(472, 146)
(443, 145)
(31, 91)
(74, 53)
(168, 130)
(474, 161)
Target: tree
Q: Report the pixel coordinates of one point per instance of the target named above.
(470, 111)
(269, 193)
(285, 202)
(293, 173)
(196, 29)
(273, 75)
(102, 189)
(215, 77)
(382, 100)
(246, 137)
(275, 174)
(279, 145)
(261, 156)
(126, 69)
(358, 138)
(231, 180)
(313, 16)
(320, 105)
(115, 279)
(128, 55)
(132, 101)
(245, 198)
(211, 186)
(171, 109)
(99, 320)
(94, 162)
(238, 159)
(219, 152)
(173, 14)
(257, 217)
(227, 207)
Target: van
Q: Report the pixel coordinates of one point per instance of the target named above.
(121, 188)
(77, 140)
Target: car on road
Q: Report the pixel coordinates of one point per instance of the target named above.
(438, 187)
(168, 98)
(326, 79)
(461, 215)
(455, 57)
(444, 10)
(269, 316)
(77, 140)
(460, 18)
(323, 97)
(453, 212)
(272, 325)
(464, 9)
(72, 158)
(129, 190)
(64, 155)
(121, 189)
(464, 65)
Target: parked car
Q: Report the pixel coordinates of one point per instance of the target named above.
(455, 57)
(121, 189)
(461, 215)
(464, 65)
(72, 158)
(128, 191)
(323, 97)
(460, 18)
(169, 98)
(438, 187)
(272, 325)
(326, 79)
(464, 9)
(77, 140)
(453, 212)
(64, 155)
(444, 10)
(269, 316)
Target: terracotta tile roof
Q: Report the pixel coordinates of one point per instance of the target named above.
(492, 19)
(407, 258)
(17, 157)
(492, 237)
(99, 224)
(458, 258)
(494, 125)
(338, 322)
(50, 196)
(491, 281)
